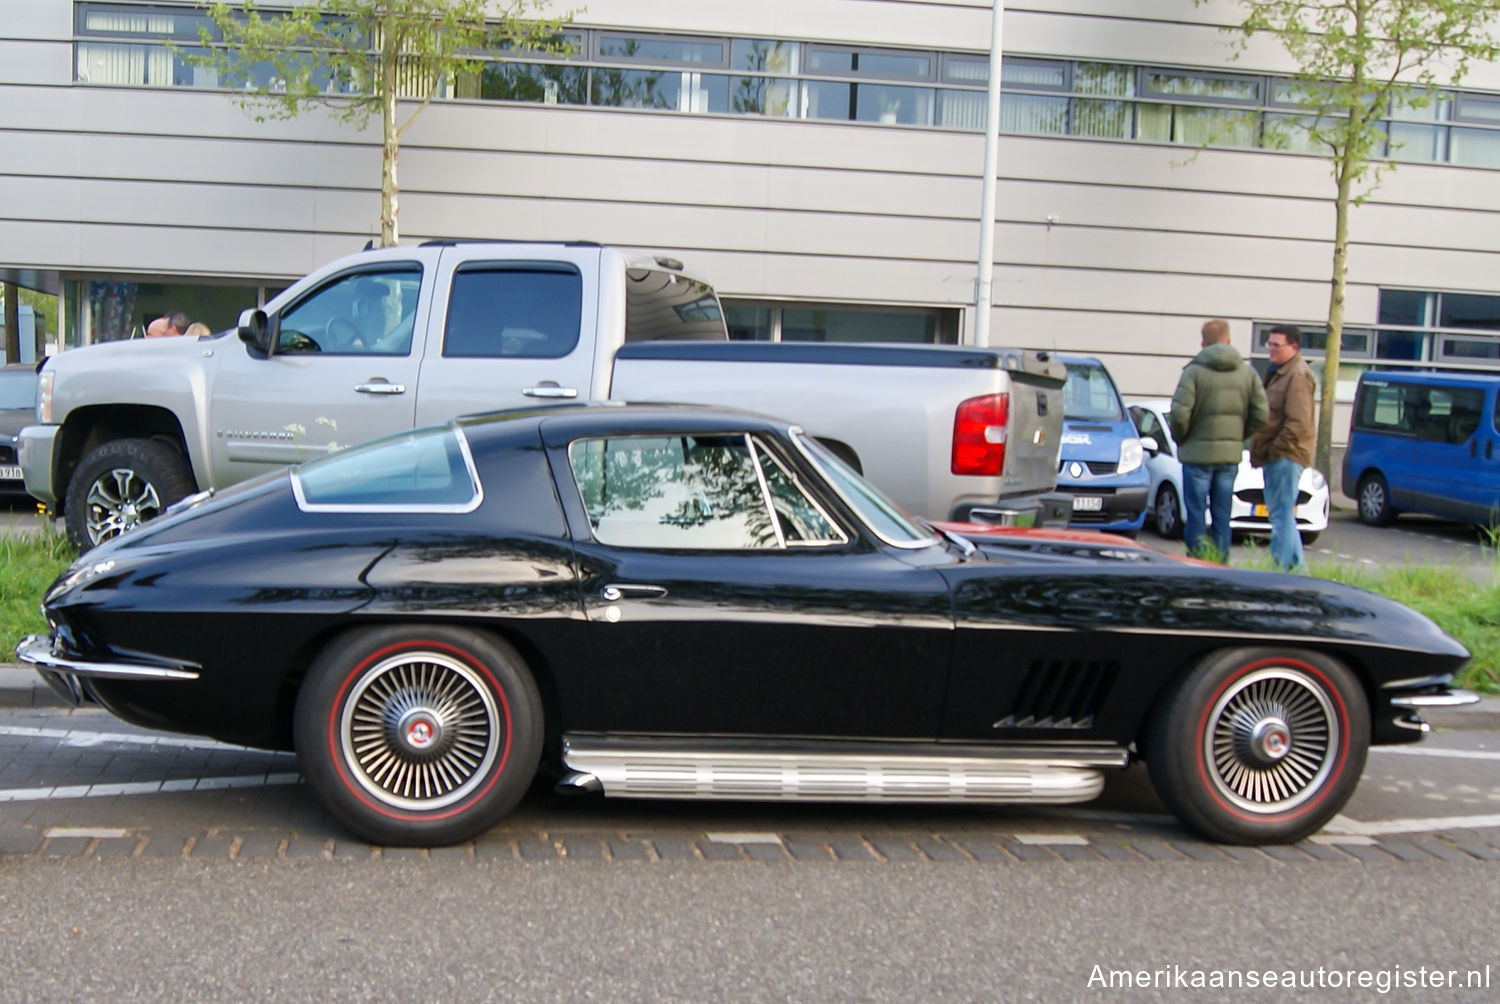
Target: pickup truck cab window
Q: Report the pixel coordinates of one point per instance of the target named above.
(663, 305)
(369, 312)
(710, 492)
(531, 311)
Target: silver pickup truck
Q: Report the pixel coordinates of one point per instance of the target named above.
(383, 341)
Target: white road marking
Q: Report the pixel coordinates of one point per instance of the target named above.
(87, 832)
(1343, 825)
(1432, 751)
(743, 838)
(85, 739)
(148, 787)
(1075, 839)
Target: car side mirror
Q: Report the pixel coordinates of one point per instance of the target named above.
(255, 331)
(1150, 445)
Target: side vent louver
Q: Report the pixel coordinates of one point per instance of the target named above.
(1059, 694)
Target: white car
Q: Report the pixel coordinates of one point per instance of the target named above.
(1247, 513)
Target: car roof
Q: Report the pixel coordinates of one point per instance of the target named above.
(1161, 404)
(1414, 376)
(567, 421)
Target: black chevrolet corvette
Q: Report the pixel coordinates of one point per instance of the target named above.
(674, 602)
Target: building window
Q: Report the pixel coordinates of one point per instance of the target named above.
(128, 44)
(1415, 329)
(765, 322)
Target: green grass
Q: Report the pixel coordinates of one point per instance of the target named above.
(1468, 610)
(29, 561)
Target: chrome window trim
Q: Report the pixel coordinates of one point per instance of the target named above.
(798, 435)
(765, 492)
(432, 508)
(840, 541)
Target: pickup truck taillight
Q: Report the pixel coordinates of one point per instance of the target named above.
(979, 435)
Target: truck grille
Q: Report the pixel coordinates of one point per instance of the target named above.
(1097, 468)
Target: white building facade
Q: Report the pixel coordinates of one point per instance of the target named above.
(819, 159)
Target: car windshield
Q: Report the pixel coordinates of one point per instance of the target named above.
(425, 470)
(18, 390)
(879, 513)
(1090, 394)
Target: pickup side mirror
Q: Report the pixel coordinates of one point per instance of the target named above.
(256, 332)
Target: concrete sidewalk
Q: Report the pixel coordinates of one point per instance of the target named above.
(20, 687)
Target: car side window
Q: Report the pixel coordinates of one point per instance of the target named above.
(1147, 424)
(708, 492)
(370, 312)
(524, 310)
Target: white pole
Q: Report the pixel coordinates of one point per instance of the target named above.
(983, 288)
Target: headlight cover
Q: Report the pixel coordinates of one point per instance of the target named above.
(1131, 456)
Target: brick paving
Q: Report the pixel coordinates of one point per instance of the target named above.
(81, 784)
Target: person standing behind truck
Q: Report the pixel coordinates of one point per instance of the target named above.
(1219, 401)
(1284, 445)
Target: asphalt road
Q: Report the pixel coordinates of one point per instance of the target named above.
(140, 866)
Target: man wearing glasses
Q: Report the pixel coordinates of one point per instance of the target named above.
(1284, 445)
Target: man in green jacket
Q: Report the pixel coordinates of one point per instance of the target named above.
(1219, 402)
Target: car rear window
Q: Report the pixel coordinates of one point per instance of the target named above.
(426, 470)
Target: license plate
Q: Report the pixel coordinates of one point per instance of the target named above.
(1087, 503)
(10, 472)
(1260, 511)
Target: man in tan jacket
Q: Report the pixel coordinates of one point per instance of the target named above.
(1284, 445)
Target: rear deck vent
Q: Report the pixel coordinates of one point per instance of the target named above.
(1058, 694)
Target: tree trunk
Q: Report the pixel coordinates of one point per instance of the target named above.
(1324, 457)
(390, 149)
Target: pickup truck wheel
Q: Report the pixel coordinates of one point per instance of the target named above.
(1259, 745)
(120, 484)
(418, 735)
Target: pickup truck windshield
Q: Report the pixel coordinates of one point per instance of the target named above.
(879, 513)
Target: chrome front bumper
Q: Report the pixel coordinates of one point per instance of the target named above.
(64, 673)
(1411, 705)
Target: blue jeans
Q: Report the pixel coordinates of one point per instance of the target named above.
(1282, 477)
(1212, 484)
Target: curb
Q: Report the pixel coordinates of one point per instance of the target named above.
(20, 687)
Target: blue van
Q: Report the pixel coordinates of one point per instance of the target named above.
(1101, 463)
(1425, 442)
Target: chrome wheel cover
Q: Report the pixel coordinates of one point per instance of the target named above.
(118, 500)
(420, 731)
(1271, 740)
(1372, 500)
(1167, 512)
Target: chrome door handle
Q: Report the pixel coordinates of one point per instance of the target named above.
(619, 591)
(380, 387)
(550, 390)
